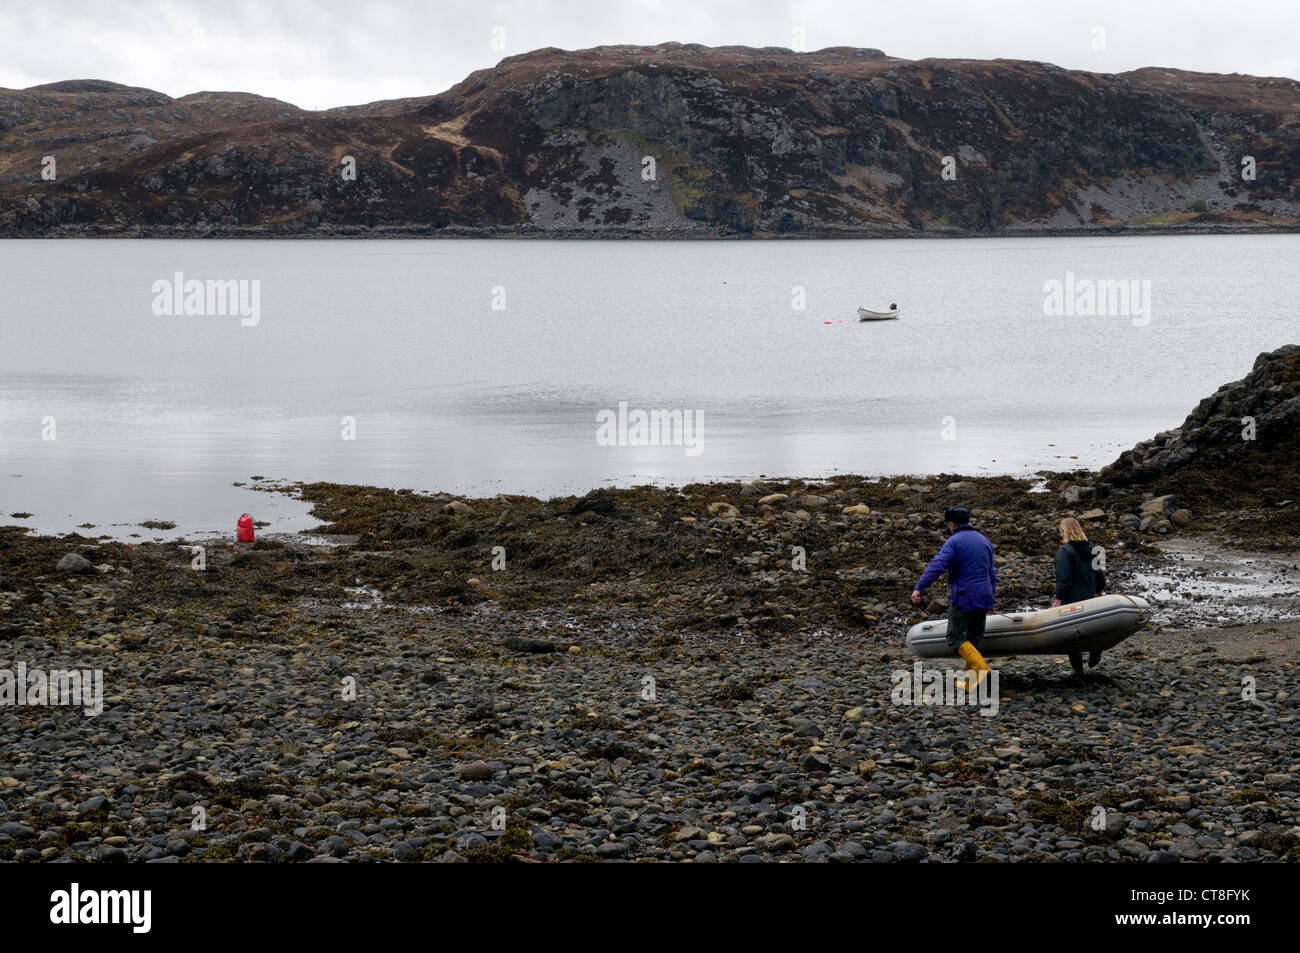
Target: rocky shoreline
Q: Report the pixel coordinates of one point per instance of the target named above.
(695, 674)
(682, 233)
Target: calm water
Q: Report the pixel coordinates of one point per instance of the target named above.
(156, 416)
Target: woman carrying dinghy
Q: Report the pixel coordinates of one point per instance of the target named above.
(1077, 578)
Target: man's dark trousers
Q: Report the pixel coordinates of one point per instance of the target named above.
(965, 627)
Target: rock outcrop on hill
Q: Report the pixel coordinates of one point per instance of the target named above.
(669, 140)
(1241, 441)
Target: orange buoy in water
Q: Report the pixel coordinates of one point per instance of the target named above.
(245, 529)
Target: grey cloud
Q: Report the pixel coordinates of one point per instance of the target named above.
(318, 53)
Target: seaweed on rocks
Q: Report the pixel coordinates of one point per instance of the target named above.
(768, 616)
(1240, 447)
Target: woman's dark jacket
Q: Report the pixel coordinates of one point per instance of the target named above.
(1076, 580)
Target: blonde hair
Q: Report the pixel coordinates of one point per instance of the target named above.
(1072, 531)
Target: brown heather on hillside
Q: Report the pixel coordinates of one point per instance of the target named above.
(745, 141)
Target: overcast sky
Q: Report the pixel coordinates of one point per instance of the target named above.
(320, 53)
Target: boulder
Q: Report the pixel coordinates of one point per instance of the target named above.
(94, 805)
(1158, 506)
(75, 563)
(517, 643)
(1073, 495)
(602, 504)
(475, 771)
(1251, 422)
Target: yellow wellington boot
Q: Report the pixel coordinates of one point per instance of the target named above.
(975, 664)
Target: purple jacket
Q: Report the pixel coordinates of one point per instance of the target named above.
(967, 556)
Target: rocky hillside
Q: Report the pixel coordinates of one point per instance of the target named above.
(1241, 443)
(743, 141)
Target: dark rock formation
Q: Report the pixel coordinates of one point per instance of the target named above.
(1241, 441)
(743, 141)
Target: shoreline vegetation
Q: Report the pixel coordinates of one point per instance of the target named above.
(700, 673)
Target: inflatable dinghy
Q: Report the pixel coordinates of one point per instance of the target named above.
(1092, 625)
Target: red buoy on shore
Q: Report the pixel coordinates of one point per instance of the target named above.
(245, 529)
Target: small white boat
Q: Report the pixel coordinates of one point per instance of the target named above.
(1088, 626)
(866, 314)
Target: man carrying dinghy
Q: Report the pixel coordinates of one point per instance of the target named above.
(967, 557)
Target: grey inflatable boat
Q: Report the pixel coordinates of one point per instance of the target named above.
(1088, 626)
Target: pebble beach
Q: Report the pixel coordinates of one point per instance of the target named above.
(696, 674)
